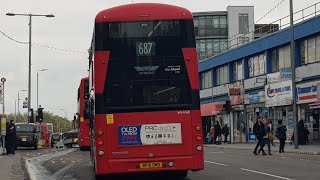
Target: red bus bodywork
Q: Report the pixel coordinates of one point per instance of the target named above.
(83, 121)
(108, 155)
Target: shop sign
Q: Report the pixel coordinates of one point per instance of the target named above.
(252, 106)
(278, 94)
(273, 78)
(255, 97)
(285, 73)
(236, 92)
(307, 92)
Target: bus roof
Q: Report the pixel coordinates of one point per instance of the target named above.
(143, 12)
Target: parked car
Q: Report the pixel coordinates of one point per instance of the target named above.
(26, 135)
(59, 143)
(54, 139)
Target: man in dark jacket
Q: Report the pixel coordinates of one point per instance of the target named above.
(12, 138)
(281, 134)
(217, 133)
(259, 132)
(225, 131)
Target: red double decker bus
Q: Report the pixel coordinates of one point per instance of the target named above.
(144, 91)
(83, 115)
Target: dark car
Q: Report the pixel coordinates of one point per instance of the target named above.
(27, 135)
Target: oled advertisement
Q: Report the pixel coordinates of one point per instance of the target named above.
(149, 134)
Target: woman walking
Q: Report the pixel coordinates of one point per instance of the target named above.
(281, 134)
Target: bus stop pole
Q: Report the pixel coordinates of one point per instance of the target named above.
(3, 124)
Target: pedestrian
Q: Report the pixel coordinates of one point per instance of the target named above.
(12, 138)
(225, 131)
(209, 138)
(212, 131)
(217, 133)
(259, 131)
(301, 133)
(6, 139)
(271, 132)
(266, 137)
(281, 134)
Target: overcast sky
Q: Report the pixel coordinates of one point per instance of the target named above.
(72, 29)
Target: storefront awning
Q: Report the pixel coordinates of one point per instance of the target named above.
(211, 109)
(315, 105)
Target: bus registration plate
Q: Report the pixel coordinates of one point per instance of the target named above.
(151, 165)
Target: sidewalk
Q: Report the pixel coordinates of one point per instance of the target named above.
(10, 168)
(305, 149)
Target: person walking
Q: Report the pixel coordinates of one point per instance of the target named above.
(225, 131)
(212, 131)
(217, 133)
(6, 139)
(209, 138)
(281, 134)
(271, 132)
(266, 137)
(259, 131)
(12, 138)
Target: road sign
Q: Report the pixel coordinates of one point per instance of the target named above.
(3, 125)
(25, 104)
(3, 80)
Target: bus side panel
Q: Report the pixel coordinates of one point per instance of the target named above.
(191, 60)
(198, 161)
(100, 161)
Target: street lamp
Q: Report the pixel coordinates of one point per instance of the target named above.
(19, 102)
(41, 70)
(29, 77)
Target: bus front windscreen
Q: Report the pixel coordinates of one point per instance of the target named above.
(146, 66)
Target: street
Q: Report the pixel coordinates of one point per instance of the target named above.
(219, 164)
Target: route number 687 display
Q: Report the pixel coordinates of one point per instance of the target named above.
(145, 48)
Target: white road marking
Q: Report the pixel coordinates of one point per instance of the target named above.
(215, 152)
(266, 174)
(210, 162)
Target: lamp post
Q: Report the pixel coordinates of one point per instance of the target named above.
(65, 115)
(41, 70)
(19, 103)
(29, 76)
(293, 76)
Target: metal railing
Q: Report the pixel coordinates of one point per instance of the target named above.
(267, 29)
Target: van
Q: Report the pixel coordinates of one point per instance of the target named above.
(26, 135)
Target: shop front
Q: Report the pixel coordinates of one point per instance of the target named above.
(279, 100)
(236, 96)
(309, 107)
(255, 107)
(209, 113)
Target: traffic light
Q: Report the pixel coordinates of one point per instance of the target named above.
(40, 115)
(31, 116)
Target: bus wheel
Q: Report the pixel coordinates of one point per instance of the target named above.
(100, 177)
(181, 174)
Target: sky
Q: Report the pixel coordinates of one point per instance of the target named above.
(71, 29)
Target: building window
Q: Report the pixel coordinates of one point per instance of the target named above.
(222, 75)
(281, 58)
(211, 26)
(210, 47)
(206, 79)
(310, 50)
(237, 71)
(243, 23)
(243, 40)
(257, 65)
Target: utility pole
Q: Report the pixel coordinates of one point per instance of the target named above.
(293, 76)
